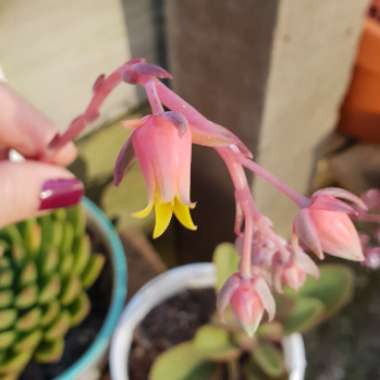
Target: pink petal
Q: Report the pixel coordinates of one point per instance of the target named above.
(304, 261)
(123, 160)
(294, 277)
(164, 148)
(140, 72)
(226, 292)
(142, 142)
(178, 120)
(328, 203)
(184, 167)
(306, 232)
(343, 194)
(247, 308)
(266, 297)
(337, 234)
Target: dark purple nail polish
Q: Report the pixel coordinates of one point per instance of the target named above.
(60, 192)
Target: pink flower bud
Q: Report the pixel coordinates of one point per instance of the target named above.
(293, 273)
(324, 226)
(249, 298)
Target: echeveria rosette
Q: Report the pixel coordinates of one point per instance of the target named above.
(162, 141)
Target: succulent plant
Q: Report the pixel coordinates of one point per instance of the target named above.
(46, 265)
(221, 348)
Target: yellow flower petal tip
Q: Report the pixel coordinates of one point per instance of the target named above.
(144, 212)
(182, 213)
(163, 212)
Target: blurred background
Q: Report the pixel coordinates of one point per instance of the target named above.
(297, 80)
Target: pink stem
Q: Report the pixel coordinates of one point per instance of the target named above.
(246, 203)
(102, 88)
(298, 199)
(154, 100)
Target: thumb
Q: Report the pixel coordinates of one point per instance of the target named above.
(29, 186)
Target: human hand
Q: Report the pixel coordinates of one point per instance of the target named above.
(40, 182)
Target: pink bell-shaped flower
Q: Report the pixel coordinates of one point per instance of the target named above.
(248, 298)
(325, 225)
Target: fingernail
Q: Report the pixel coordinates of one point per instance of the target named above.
(61, 192)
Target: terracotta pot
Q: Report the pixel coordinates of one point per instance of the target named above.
(360, 115)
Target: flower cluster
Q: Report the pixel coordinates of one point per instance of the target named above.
(162, 142)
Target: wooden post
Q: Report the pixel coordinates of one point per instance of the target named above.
(272, 71)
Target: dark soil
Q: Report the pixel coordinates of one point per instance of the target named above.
(80, 338)
(174, 321)
(348, 346)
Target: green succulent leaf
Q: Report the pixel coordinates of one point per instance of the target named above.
(6, 279)
(28, 273)
(7, 318)
(226, 262)
(77, 218)
(7, 338)
(269, 358)
(51, 289)
(214, 343)
(49, 261)
(334, 288)
(49, 352)
(79, 309)
(29, 320)
(50, 313)
(71, 289)
(67, 239)
(14, 362)
(27, 297)
(94, 267)
(6, 298)
(305, 314)
(18, 253)
(59, 327)
(31, 232)
(66, 264)
(82, 252)
(28, 341)
(181, 362)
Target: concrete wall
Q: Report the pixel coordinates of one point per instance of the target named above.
(53, 50)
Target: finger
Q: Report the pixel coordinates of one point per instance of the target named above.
(28, 187)
(27, 130)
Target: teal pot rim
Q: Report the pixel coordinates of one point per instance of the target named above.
(119, 266)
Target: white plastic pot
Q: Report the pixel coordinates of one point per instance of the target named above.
(166, 285)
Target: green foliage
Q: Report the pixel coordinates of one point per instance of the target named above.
(305, 314)
(226, 261)
(269, 358)
(334, 288)
(182, 362)
(214, 343)
(45, 268)
(318, 299)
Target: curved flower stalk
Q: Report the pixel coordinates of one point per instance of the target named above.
(161, 143)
